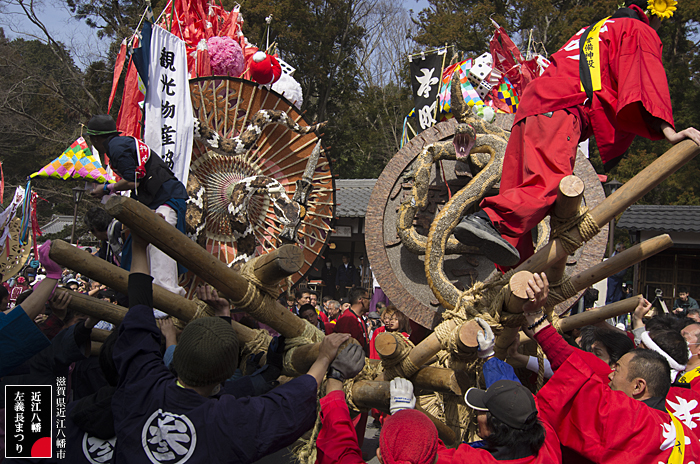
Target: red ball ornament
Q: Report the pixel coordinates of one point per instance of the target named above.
(264, 68)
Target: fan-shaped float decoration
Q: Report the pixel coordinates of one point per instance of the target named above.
(227, 106)
(13, 254)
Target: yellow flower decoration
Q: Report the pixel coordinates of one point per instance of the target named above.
(662, 8)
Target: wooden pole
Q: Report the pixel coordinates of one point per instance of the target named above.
(514, 302)
(439, 379)
(368, 394)
(598, 314)
(593, 316)
(117, 278)
(466, 341)
(95, 348)
(99, 335)
(566, 206)
(94, 307)
(616, 203)
(168, 239)
(620, 261)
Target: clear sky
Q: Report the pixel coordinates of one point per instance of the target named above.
(76, 34)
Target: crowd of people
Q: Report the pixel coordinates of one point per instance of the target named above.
(153, 393)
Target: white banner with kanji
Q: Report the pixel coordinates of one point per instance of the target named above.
(168, 106)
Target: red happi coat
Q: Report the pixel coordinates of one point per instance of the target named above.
(550, 453)
(692, 378)
(607, 426)
(633, 80)
(337, 441)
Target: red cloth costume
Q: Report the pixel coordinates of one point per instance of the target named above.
(693, 378)
(602, 425)
(465, 454)
(337, 441)
(352, 324)
(554, 116)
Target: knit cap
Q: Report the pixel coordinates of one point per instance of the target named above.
(207, 352)
(408, 437)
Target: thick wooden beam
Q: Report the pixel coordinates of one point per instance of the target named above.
(633, 190)
(566, 206)
(439, 379)
(368, 394)
(117, 278)
(620, 261)
(94, 307)
(598, 314)
(99, 335)
(168, 239)
(95, 348)
(466, 341)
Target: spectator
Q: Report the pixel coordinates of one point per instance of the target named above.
(302, 297)
(4, 298)
(615, 281)
(108, 231)
(684, 302)
(346, 277)
(394, 321)
(328, 273)
(351, 321)
(344, 305)
(694, 314)
(309, 313)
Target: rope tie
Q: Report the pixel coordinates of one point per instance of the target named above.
(203, 310)
(258, 287)
(399, 365)
(540, 367)
(261, 342)
(562, 229)
(560, 291)
(309, 336)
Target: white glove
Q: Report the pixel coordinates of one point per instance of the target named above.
(485, 339)
(401, 395)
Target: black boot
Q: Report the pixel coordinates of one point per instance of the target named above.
(478, 230)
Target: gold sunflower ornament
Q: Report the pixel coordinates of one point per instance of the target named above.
(662, 8)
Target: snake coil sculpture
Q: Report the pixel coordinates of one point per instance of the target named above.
(482, 145)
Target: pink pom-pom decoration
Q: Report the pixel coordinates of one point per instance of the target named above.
(226, 57)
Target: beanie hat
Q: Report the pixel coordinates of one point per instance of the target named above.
(207, 352)
(408, 436)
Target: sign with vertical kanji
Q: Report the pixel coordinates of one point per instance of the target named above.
(28, 421)
(169, 120)
(426, 71)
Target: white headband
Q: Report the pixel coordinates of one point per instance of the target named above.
(675, 367)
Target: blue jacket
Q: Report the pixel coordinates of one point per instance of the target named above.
(155, 419)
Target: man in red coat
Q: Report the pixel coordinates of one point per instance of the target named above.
(351, 321)
(630, 415)
(627, 96)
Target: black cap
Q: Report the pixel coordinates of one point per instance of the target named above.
(102, 124)
(506, 400)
